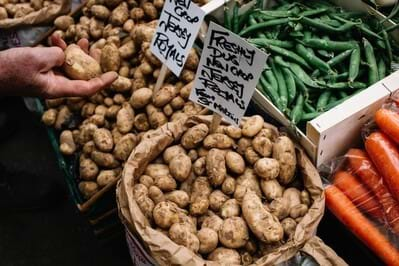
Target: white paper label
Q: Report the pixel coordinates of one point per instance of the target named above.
(227, 74)
(177, 29)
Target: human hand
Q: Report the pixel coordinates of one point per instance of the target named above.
(31, 72)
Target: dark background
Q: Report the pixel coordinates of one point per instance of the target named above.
(59, 234)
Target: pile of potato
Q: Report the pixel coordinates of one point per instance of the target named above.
(105, 127)
(231, 196)
(21, 8)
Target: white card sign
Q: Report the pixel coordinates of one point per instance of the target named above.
(177, 29)
(227, 74)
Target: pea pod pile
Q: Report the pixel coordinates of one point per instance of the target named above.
(320, 54)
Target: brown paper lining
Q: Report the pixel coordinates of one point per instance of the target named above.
(164, 250)
(44, 15)
(322, 253)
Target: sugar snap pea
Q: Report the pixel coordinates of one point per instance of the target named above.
(301, 87)
(297, 111)
(388, 48)
(271, 93)
(282, 87)
(290, 83)
(227, 21)
(269, 76)
(307, 107)
(303, 76)
(382, 68)
(322, 26)
(323, 100)
(328, 45)
(263, 25)
(354, 64)
(346, 85)
(235, 25)
(263, 42)
(288, 54)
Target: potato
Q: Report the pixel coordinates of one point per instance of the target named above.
(208, 239)
(96, 119)
(164, 95)
(156, 170)
(243, 145)
(180, 167)
(217, 140)
(103, 139)
(192, 60)
(87, 109)
(225, 256)
(86, 132)
(121, 84)
(263, 146)
(137, 14)
(177, 103)
(89, 147)
(96, 28)
(252, 126)
(251, 156)
(119, 15)
(150, 10)
(63, 22)
(116, 135)
(88, 188)
(193, 155)
(146, 180)
(262, 223)
(79, 65)
(289, 226)
(52, 103)
(125, 118)
(67, 144)
(246, 258)
(156, 117)
(280, 208)
(36, 4)
(200, 192)
(233, 132)
(49, 117)
(110, 58)
(213, 222)
(216, 199)
(125, 146)
(284, 153)
(155, 194)
(292, 196)
(128, 25)
(141, 122)
(179, 197)
(245, 182)
(194, 136)
(100, 12)
(88, 169)
(106, 160)
(165, 214)
(250, 246)
(140, 98)
(199, 166)
(172, 152)
(230, 208)
(189, 222)
(305, 197)
(235, 163)
(179, 234)
(187, 185)
(233, 233)
(146, 206)
(216, 166)
(271, 189)
(166, 183)
(139, 190)
(229, 185)
(267, 168)
(106, 177)
(298, 211)
(127, 50)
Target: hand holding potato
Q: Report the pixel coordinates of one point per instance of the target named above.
(39, 78)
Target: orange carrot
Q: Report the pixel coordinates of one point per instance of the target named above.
(362, 166)
(358, 194)
(385, 157)
(353, 219)
(388, 122)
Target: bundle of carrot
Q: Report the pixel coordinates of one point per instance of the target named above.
(365, 191)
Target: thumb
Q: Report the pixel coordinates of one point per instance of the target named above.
(49, 57)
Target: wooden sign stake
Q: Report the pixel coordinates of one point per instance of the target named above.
(216, 119)
(161, 78)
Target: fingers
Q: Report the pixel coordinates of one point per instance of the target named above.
(84, 45)
(49, 57)
(57, 41)
(59, 86)
(96, 54)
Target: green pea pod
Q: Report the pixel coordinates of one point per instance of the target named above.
(310, 116)
(393, 13)
(263, 42)
(227, 21)
(371, 61)
(337, 77)
(313, 12)
(273, 95)
(346, 85)
(290, 83)
(307, 107)
(289, 55)
(303, 76)
(282, 87)
(312, 59)
(252, 21)
(382, 68)
(235, 24)
(280, 61)
(269, 75)
(263, 25)
(339, 58)
(297, 111)
(332, 99)
(328, 45)
(388, 47)
(361, 27)
(354, 64)
(342, 94)
(243, 18)
(323, 100)
(324, 27)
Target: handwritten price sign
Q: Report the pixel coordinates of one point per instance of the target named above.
(227, 75)
(177, 29)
